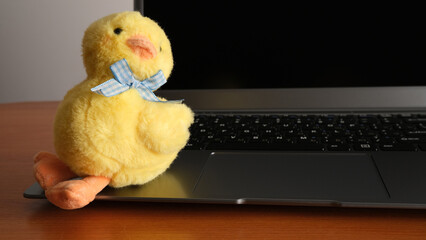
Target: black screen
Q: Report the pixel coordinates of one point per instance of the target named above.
(274, 44)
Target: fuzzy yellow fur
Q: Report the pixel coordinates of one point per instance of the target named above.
(124, 137)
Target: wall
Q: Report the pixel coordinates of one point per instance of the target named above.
(41, 45)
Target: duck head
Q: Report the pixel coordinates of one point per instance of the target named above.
(129, 35)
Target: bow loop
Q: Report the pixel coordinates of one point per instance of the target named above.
(124, 80)
(155, 81)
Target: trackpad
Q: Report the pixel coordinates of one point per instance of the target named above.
(337, 176)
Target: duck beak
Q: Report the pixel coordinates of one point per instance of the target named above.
(142, 47)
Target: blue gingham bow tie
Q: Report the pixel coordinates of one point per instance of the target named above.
(124, 80)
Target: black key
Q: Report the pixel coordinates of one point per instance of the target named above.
(360, 140)
(369, 119)
(385, 140)
(412, 140)
(397, 147)
(415, 120)
(338, 147)
(332, 140)
(192, 146)
(416, 133)
(364, 147)
(389, 119)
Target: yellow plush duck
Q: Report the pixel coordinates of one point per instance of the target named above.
(111, 129)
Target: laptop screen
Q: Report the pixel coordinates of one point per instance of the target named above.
(275, 44)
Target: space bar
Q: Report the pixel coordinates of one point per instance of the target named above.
(274, 147)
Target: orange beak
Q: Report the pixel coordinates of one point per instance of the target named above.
(142, 47)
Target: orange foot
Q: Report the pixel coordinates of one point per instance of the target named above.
(53, 176)
(75, 194)
(49, 170)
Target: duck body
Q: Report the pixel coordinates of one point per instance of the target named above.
(124, 137)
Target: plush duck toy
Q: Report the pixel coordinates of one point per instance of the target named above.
(111, 129)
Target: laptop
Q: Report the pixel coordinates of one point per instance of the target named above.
(311, 105)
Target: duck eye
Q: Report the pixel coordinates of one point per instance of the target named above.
(161, 49)
(118, 31)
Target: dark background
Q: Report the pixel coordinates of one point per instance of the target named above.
(274, 44)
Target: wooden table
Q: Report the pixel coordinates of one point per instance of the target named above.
(26, 128)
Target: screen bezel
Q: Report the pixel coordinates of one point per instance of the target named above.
(354, 99)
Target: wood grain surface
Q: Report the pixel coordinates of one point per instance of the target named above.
(26, 128)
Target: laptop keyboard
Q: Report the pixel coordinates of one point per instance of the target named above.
(327, 132)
